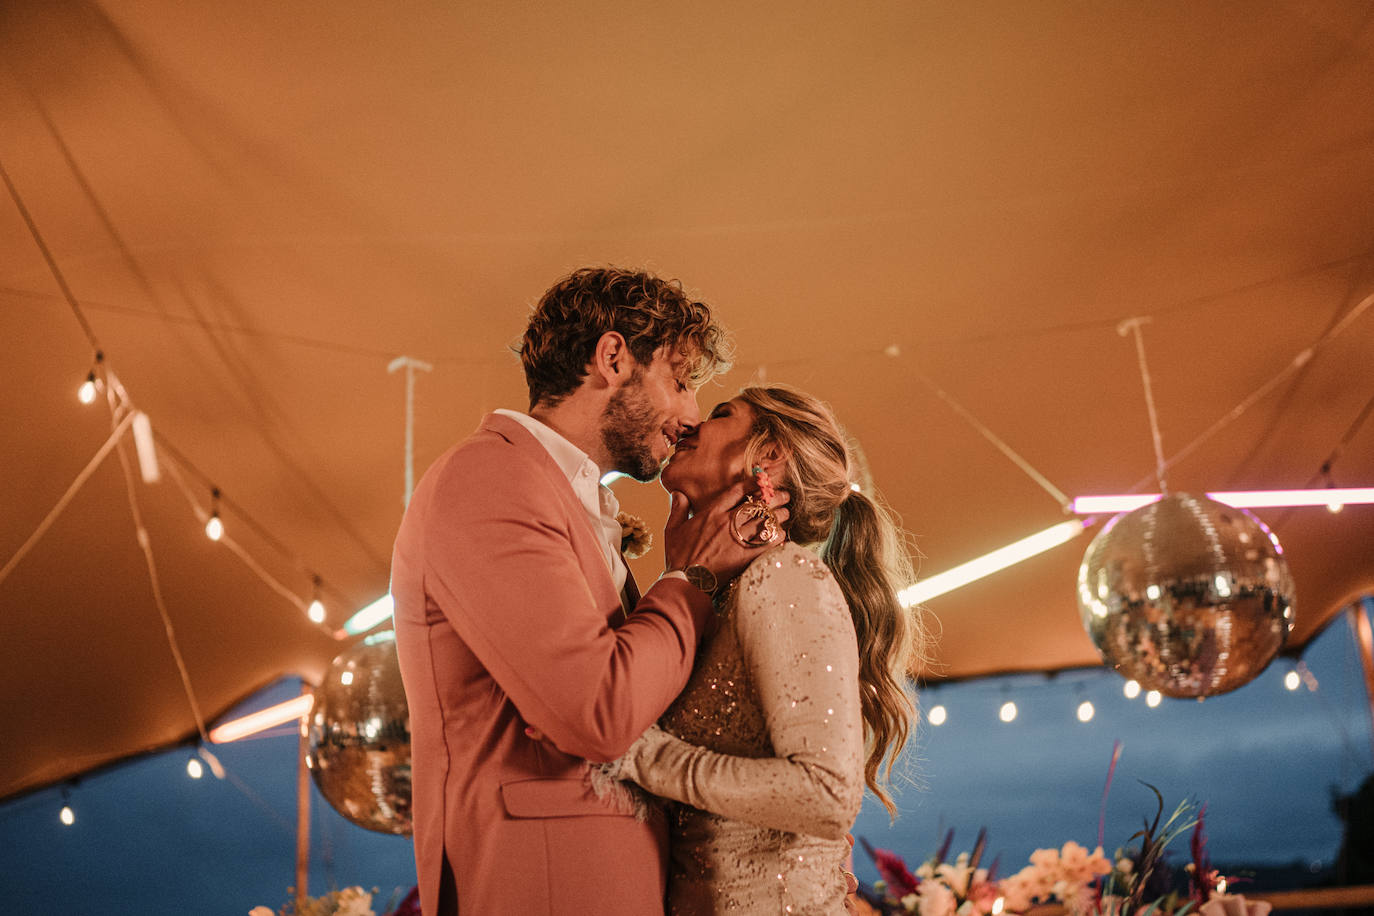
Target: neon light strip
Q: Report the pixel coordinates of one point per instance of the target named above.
(369, 616)
(1241, 499)
(988, 564)
(261, 720)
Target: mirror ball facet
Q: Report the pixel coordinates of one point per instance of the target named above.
(1188, 596)
(360, 737)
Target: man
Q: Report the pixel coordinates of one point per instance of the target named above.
(516, 618)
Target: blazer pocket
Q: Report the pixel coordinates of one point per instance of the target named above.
(543, 797)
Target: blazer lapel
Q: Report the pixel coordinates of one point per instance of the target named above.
(586, 538)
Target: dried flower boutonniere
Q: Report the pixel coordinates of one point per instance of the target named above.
(635, 539)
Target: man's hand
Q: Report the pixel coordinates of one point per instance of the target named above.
(704, 539)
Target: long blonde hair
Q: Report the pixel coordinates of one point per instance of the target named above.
(865, 551)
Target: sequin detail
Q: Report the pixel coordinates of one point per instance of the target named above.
(775, 621)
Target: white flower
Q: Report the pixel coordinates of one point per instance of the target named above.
(354, 901)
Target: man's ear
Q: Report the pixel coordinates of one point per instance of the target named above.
(612, 362)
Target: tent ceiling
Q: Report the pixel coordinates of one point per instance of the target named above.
(259, 205)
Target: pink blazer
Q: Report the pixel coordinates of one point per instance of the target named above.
(506, 616)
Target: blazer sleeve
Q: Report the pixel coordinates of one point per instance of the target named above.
(500, 565)
(798, 644)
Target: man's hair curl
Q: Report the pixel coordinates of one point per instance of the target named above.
(649, 312)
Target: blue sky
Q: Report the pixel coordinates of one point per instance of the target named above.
(150, 840)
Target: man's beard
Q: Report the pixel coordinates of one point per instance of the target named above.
(627, 429)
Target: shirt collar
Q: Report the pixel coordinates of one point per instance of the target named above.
(571, 460)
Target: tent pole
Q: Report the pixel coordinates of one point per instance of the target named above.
(1364, 642)
(303, 810)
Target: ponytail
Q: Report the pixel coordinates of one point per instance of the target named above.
(865, 554)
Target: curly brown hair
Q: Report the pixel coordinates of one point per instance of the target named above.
(647, 311)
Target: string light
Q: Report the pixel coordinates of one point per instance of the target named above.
(937, 715)
(1008, 712)
(89, 388)
(1131, 689)
(1292, 680)
(67, 815)
(1152, 698)
(1335, 505)
(194, 768)
(214, 528)
(316, 610)
(998, 906)
(1086, 711)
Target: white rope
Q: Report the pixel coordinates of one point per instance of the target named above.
(1060, 498)
(146, 545)
(66, 498)
(1303, 357)
(1132, 326)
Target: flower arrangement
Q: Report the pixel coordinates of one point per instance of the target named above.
(351, 901)
(1134, 882)
(635, 537)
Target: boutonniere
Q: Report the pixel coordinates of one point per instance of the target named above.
(635, 539)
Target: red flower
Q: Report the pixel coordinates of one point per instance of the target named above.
(900, 880)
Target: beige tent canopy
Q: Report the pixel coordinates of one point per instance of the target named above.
(258, 206)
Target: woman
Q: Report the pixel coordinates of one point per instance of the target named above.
(798, 696)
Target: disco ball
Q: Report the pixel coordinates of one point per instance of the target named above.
(1188, 596)
(360, 737)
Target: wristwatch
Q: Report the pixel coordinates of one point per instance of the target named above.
(702, 578)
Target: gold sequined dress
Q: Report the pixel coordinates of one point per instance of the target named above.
(761, 756)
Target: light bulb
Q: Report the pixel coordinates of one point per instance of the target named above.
(346, 678)
(214, 528)
(67, 815)
(194, 769)
(998, 906)
(1085, 711)
(1334, 507)
(1008, 711)
(937, 715)
(1131, 689)
(316, 611)
(1292, 680)
(1152, 698)
(86, 393)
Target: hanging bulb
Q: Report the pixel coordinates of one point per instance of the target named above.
(937, 715)
(194, 769)
(1131, 689)
(1152, 698)
(1086, 711)
(89, 388)
(316, 609)
(1008, 712)
(214, 528)
(1292, 680)
(1334, 505)
(67, 815)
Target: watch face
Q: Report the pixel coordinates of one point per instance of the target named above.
(701, 577)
